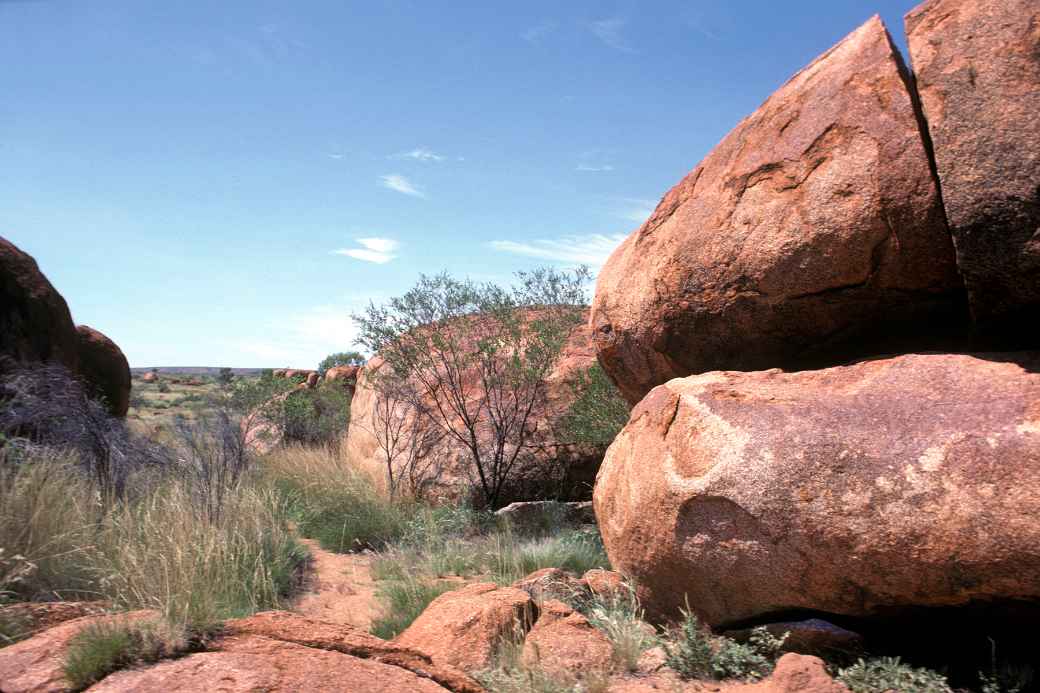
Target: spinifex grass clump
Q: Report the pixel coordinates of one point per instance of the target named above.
(332, 502)
(109, 645)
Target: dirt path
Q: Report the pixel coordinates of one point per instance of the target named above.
(340, 588)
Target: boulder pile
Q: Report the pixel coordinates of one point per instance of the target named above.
(36, 327)
(862, 212)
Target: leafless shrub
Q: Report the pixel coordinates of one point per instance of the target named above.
(43, 404)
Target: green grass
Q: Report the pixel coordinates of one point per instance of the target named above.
(331, 502)
(620, 617)
(157, 549)
(107, 646)
(403, 599)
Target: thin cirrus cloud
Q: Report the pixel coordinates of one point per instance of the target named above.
(595, 168)
(424, 154)
(636, 209)
(377, 250)
(591, 249)
(611, 32)
(397, 182)
(539, 32)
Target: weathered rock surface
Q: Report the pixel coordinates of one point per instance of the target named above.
(530, 517)
(977, 64)
(36, 665)
(35, 322)
(562, 640)
(905, 482)
(108, 368)
(36, 326)
(463, 628)
(811, 235)
(150, 377)
(377, 422)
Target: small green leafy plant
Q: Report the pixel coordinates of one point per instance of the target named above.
(696, 654)
(890, 674)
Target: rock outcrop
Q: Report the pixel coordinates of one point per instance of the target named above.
(109, 371)
(36, 665)
(464, 628)
(811, 235)
(271, 651)
(35, 322)
(36, 326)
(977, 64)
(380, 427)
(563, 641)
(859, 490)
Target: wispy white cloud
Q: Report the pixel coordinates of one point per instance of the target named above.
(539, 32)
(423, 154)
(636, 209)
(591, 249)
(335, 155)
(594, 167)
(395, 181)
(303, 338)
(611, 32)
(377, 250)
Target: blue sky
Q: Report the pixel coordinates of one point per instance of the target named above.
(223, 183)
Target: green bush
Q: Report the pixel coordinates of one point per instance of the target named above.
(599, 412)
(345, 358)
(890, 674)
(316, 417)
(694, 653)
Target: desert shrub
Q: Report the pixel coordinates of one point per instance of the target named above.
(402, 600)
(44, 405)
(162, 386)
(598, 412)
(890, 674)
(225, 376)
(620, 617)
(332, 502)
(107, 646)
(689, 651)
(694, 653)
(344, 358)
(435, 337)
(316, 417)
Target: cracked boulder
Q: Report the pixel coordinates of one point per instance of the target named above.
(868, 490)
(811, 235)
(978, 74)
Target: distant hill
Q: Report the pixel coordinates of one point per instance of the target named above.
(194, 370)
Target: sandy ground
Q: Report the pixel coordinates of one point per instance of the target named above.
(340, 588)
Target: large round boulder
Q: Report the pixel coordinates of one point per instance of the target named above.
(35, 323)
(36, 327)
(109, 372)
(811, 235)
(862, 490)
(978, 74)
